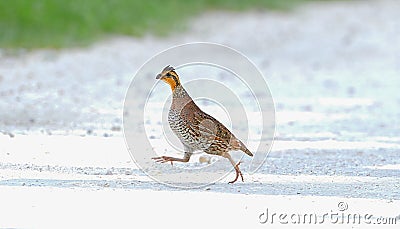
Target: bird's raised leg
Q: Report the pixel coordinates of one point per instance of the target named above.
(236, 166)
(164, 159)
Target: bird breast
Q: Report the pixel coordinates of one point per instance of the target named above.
(179, 126)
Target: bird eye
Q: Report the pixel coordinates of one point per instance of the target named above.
(168, 74)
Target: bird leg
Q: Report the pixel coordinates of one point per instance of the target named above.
(236, 166)
(238, 172)
(164, 159)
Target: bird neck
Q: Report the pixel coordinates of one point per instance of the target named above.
(180, 98)
(179, 92)
(172, 82)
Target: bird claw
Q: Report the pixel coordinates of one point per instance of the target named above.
(163, 159)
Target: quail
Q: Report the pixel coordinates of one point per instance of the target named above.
(197, 130)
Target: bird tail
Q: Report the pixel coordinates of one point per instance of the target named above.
(247, 151)
(238, 145)
(244, 148)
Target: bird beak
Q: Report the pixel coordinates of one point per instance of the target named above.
(158, 76)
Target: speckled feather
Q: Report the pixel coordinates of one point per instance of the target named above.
(198, 130)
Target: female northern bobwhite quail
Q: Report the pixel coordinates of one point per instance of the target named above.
(196, 129)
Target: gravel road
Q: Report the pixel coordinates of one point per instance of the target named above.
(333, 70)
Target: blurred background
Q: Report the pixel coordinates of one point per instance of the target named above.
(57, 24)
(332, 66)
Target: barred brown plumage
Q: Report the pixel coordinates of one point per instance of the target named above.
(196, 129)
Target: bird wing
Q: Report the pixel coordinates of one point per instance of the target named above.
(207, 127)
(210, 128)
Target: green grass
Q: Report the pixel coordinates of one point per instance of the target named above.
(65, 23)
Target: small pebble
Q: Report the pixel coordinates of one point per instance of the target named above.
(116, 128)
(205, 159)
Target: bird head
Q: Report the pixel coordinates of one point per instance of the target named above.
(169, 76)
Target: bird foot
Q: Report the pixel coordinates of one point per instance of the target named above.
(238, 173)
(164, 159)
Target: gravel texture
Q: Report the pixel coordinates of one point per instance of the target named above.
(333, 70)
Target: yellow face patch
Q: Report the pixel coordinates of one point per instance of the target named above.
(171, 82)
